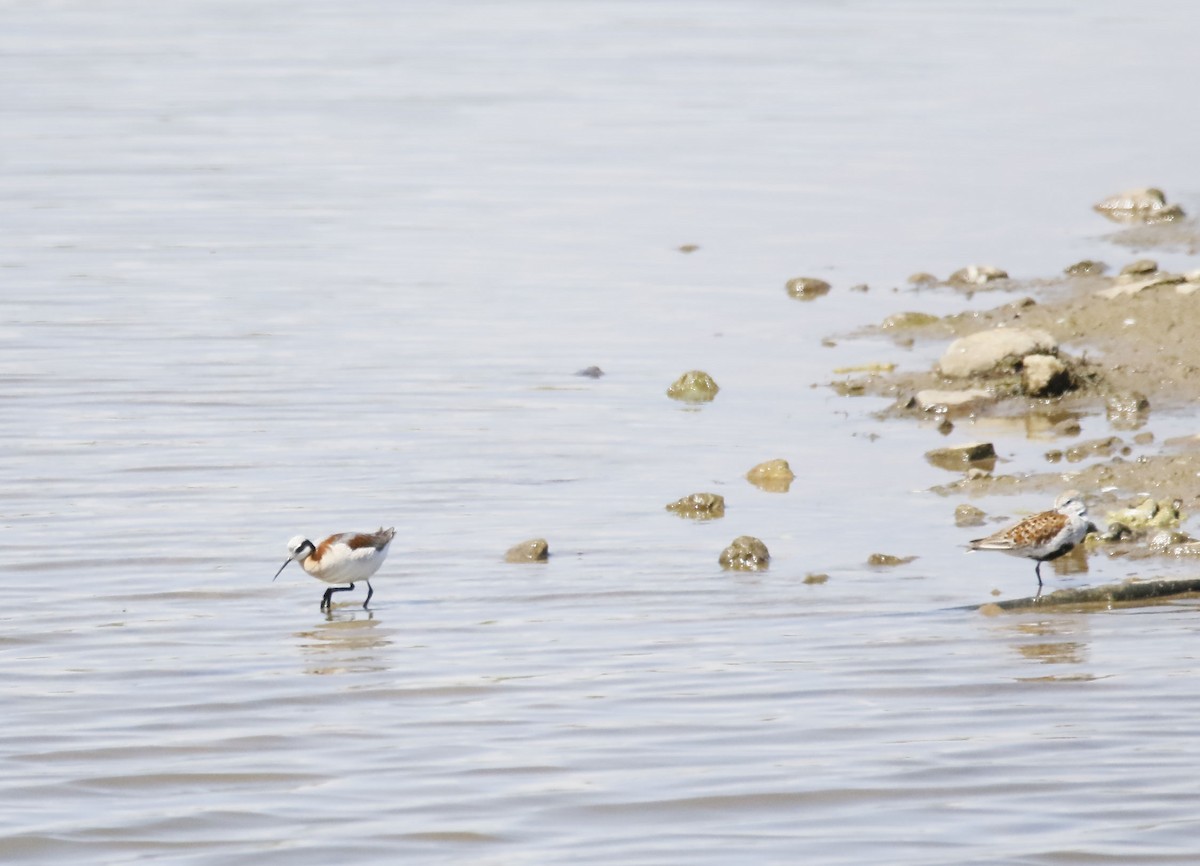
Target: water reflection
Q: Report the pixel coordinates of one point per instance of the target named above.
(347, 642)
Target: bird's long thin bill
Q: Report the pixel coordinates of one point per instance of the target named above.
(281, 568)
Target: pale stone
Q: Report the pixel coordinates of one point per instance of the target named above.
(985, 351)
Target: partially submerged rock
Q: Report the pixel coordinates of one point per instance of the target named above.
(533, 550)
(807, 288)
(1103, 447)
(1099, 597)
(941, 400)
(694, 386)
(774, 476)
(1141, 205)
(699, 506)
(977, 275)
(1086, 268)
(745, 553)
(1127, 410)
(592, 372)
(904, 321)
(1000, 349)
(887, 560)
(968, 515)
(958, 457)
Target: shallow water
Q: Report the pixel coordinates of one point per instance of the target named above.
(312, 267)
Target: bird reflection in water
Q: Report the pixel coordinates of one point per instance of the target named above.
(345, 643)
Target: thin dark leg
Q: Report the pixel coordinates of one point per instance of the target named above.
(1038, 572)
(327, 602)
(370, 592)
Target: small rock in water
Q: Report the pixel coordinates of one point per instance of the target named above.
(807, 288)
(886, 560)
(1142, 205)
(904, 321)
(688, 248)
(695, 386)
(590, 372)
(968, 515)
(987, 351)
(1093, 448)
(1127, 411)
(937, 400)
(977, 275)
(922, 278)
(1044, 376)
(745, 553)
(1069, 427)
(961, 456)
(701, 506)
(1086, 268)
(1139, 268)
(774, 476)
(816, 577)
(533, 550)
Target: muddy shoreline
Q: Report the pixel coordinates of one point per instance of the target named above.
(1113, 340)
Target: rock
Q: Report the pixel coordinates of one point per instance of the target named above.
(860, 287)
(1148, 514)
(1044, 376)
(958, 457)
(774, 476)
(1143, 205)
(816, 577)
(935, 400)
(1139, 268)
(1000, 348)
(745, 553)
(688, 248)
(700, 506)
(695, 386)
(904, 321)
(807, 288)
(1093, 448)
(590, 372)
(921, 278)
(1069, 427)
(886, 560)
(977, 275)
(1127, 411)
(968, 515)
(1086, 268)
(533, 550)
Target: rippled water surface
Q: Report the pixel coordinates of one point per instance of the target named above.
(275, 268)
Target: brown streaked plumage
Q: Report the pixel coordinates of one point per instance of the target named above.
(342, 558)
(1043, 537)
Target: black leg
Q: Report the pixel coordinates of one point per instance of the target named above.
(1038, 572)
(327, 602)
(370, 592)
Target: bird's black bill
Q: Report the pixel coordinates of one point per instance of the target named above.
(282, 567)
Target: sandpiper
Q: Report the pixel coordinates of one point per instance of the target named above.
(342, 558)
(1043, 537)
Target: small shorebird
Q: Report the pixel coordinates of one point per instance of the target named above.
(342, 558)
(1043, 537)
